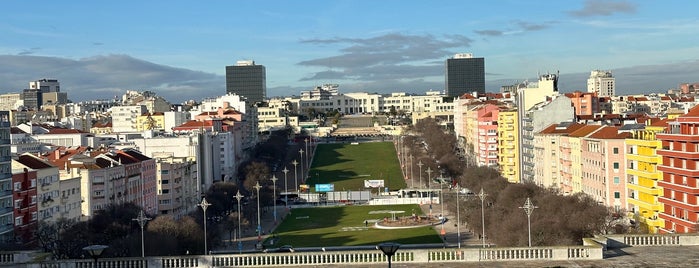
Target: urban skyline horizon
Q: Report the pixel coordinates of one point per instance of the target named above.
(180, 50)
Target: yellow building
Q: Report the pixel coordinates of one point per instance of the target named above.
(148, 121)
(643, 175)
(508, 147)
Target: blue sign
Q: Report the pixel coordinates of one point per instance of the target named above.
(325, 187)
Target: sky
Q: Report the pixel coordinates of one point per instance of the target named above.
(179, 49)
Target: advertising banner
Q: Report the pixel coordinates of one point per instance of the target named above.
(373, 183)
(325, 187)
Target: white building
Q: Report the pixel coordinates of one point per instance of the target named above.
(124, 117)
(602, 83)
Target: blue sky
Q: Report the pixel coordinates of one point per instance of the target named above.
(180, 48)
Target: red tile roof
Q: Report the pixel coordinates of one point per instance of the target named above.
(584, 131)
(33, 161)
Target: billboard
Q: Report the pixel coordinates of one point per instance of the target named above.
(373, 183)
(325, 187)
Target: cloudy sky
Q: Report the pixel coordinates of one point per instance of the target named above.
(179, 49)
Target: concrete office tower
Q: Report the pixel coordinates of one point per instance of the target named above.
(602, 83)
(464, 74)
(248, 80)
(46, 85)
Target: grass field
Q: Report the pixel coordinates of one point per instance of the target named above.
(347, 166)
(344, 226)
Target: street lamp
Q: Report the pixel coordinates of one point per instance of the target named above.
(259, 226)
(429, 190)
(419, 164)
(411, 171)
(238, 196)
(482, 196)
(441, 204)
(528, 209)
(95, 251)
(307, 152)
(389, 249)
(286, 188)
(203, 206)
(274, 196)
(302, 165)
(458, 218)
(142, 219)
(296, 174)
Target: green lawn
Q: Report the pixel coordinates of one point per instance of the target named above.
(344, 226)
(347, 166)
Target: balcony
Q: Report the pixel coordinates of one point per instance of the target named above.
(678, 204)
(652, 191)
(679, 187)
(644, 158)
(678, 154)
(644, 174)
(680, 171)
(657, 222)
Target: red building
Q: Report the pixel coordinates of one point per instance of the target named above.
(25, 207)
(680, 153)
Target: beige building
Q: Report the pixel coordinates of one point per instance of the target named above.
(177, 187)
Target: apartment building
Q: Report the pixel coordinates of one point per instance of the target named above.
(680, 179)
(643, 174)
(508, 146)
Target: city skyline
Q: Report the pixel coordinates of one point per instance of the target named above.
(98, 50)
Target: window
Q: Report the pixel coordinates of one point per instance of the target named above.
(616, 150)
(616, 180)
(616, 165)
(617, 195)
(18, 186)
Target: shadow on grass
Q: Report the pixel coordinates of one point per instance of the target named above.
(345, 226)
(347, 165)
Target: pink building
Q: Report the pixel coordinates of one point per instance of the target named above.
(487, 138)
(24, 196)
(585, 103)
(604, 167)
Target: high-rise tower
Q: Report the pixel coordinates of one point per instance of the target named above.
(247, 79)
(602, 83)
(464, 74)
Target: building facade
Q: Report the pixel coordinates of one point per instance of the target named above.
(464, 74)
(680, 181)
(601, 83)
(247, 79)
(643, 176)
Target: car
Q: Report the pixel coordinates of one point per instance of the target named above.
(284, 248)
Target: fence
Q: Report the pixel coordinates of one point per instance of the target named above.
(339, 258)
(591, 250)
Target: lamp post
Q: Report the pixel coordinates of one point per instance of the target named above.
(411, 171)
(458, 218)
(259, 226)
(203, 206)
(419, 164)
(429, 190)
(389, 249)
(302, 165)
(286, 188)
(307, 152)
(274, 196)
(238, 196)
(142, 219)
(482, 196)
(95, 251)
(441, 204)
(296, 174)
(528, 209)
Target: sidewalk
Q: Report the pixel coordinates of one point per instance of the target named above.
(249, 234)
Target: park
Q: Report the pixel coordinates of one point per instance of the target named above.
(346, 166)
